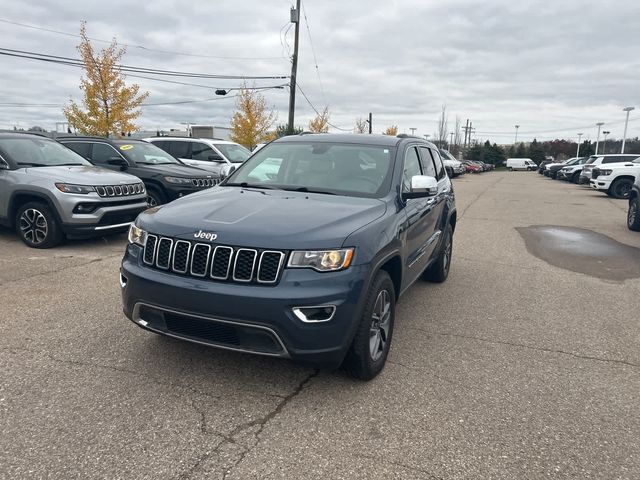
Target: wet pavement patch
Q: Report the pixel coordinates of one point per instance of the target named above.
(582, 251)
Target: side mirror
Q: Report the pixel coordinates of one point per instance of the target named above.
(215, 158)
(3, 166)
(118, 161)
(422, 186)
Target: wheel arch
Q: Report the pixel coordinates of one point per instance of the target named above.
(21, 197)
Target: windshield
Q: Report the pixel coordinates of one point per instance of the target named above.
(591, 160)
(233, 153)
(146, 154)
(341, 169)
(36, 152)
(573, 161)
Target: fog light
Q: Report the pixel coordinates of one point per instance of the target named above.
(322, 313)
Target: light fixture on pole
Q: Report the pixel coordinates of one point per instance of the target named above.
(626, 122)
(451, 141)
(516, 140)
(426, 136)
(599, 125)
(413, 130)
(579, 137)
(604, 144)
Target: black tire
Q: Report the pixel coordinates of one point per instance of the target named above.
(368, 353)
(621, 188)
(633, 216)
(155, 197)
(510, 169)
(439, 270)
(37, 226)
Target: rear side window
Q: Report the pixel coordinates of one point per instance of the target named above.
(617, 159)
(81, 148)
(179, 149)
(411, 168)
(428, 166)
(163, 144)
(102, 152)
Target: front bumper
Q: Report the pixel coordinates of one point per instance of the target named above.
(600, 183)
(246, 317)
(584, 179)
(110, 219)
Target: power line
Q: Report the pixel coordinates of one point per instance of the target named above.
(583, 127)
(129, 68)
(313, 52)
(318, 113)
(140, 47)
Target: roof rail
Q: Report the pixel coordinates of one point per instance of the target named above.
(405, 135)
(307, 133)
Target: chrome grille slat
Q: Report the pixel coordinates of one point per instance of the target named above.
(243, 256)
(177, 254)
(150, 249)
(200, 258)
(267, 271)
(221, 256)
(119, 190)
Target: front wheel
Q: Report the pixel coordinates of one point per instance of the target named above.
(633, 217)
(370, 347)
(155, 198)
(37, 226)
(621, 188)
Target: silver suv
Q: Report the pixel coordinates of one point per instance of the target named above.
(48, 192)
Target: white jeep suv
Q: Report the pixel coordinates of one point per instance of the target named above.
(218, 156)
(616, 179)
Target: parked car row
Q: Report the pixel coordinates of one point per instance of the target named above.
(616, 175)
(81, 186)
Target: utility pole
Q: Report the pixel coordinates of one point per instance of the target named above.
(466, 130)
(295, 18)
(599, 125)
(370, 121)
(451, 141)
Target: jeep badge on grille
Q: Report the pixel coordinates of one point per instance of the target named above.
(205, 235)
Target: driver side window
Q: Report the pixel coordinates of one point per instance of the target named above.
(411, 168)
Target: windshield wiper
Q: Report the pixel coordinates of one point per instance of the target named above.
(307, 190)
(250, 185)
(31, 164)
(67, 164)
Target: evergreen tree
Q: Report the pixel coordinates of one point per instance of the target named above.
(521, 151)
(536, 152)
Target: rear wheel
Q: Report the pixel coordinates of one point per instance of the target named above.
(370, 347)
(37, 226)
(439, 270)
(621, 188)
(633, 217)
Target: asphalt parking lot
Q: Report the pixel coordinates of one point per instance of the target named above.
(515, 368)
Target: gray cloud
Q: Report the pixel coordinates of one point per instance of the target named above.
(549, 67)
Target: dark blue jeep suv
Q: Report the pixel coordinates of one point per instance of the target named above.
(301, 253)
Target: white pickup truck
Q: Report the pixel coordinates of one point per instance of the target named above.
(616, 179)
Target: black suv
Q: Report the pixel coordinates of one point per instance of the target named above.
(300, 253)
(165, 177)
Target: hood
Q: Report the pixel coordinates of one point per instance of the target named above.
(264, 218)
(607, 166)
(82, 175)
(176, 170)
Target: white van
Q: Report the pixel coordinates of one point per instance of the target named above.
(521, 164)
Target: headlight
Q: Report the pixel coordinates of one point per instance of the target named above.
(605, 172)
(322, 260)
(137, 235)
(69, 188)
(178, 180)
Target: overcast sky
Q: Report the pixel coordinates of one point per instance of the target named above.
(555, 68)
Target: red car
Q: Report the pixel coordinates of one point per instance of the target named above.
(472, 167)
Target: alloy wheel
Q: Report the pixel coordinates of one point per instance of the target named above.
(633, 213)
(623, 189)
(151, 202)
(380, 325)
(34, 226)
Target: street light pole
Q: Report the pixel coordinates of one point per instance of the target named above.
(604, 144)
(413, 130)
(626, 122)
(579, 137)
(599, 125)
(516, 140)
(451, 142)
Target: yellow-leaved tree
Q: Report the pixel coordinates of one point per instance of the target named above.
(109, 106)
(320, 124)
(392, 130)
(252, 122)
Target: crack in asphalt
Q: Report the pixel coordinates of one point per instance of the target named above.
(57, 271)
(477, 197)
(532, 347)
(431, 476)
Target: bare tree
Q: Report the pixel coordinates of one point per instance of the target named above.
(443, 127)
(361, 126)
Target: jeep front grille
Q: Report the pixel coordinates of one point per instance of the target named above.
(203, 182)
(120, 190)
(219, 262)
